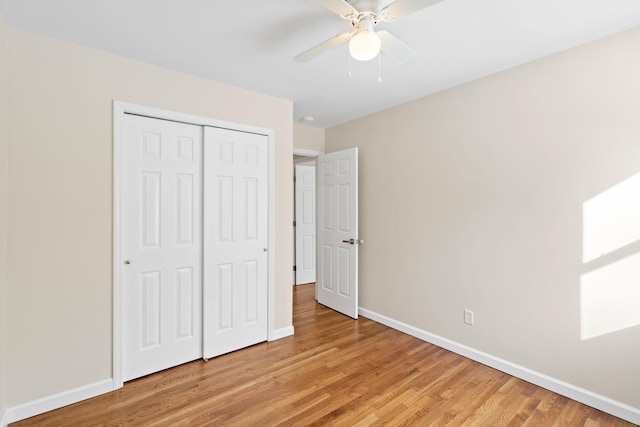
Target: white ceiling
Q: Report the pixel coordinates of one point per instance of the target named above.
(251, 43)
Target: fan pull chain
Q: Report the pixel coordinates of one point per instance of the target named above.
(379, 70)
(349, 55)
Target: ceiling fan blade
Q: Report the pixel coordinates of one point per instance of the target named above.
(405, 7)
(339, 7)
(322, 47)
(399, 52)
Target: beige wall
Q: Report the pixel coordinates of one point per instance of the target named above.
(4, 57)
(308, 137)
(60, 200)
(473, 198)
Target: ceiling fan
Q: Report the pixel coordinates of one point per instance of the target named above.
(364, 42)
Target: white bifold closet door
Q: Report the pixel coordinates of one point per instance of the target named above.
(161, 174)
(193, 243)
(235, 240)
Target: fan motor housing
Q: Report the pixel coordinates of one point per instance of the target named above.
(363, 6)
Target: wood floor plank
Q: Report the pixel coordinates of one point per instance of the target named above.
(335, 371)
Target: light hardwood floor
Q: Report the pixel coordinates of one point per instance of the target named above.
(334, 371)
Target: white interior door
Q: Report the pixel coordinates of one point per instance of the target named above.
(161, 244)
(235, 240)
(305, 194)
(337, 272)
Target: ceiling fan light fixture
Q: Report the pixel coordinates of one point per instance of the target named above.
(364, 46)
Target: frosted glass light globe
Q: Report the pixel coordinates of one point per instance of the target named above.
(364, 46)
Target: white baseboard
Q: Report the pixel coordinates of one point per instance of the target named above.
(56, 401)
(281, 333)
(59, 400)
(571, 391)
(603, 403)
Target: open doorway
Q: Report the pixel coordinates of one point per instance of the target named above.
(304, 214)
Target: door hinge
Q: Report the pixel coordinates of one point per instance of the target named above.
(294, 178)
(294, 268)
(294, 223)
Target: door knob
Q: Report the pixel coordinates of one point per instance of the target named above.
(127, 262)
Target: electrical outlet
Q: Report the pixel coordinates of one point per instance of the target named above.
(468, 317)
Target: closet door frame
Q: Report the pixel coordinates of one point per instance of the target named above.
(119, 111)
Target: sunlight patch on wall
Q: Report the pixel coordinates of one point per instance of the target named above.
(611, 220)
(610, 294)
(610, 297)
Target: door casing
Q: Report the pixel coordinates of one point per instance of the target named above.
(119, 111)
